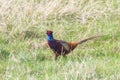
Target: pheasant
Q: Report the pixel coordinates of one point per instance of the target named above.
(61, 47)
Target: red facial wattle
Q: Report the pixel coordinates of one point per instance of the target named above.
(49, 32)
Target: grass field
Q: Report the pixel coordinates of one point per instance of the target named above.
(24, 55)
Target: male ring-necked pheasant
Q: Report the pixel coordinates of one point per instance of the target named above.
(61, 47)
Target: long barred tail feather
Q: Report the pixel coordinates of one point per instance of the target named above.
(90, 38)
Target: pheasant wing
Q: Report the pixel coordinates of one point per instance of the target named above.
(65, 45)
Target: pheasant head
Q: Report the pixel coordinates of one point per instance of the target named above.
(50, 35)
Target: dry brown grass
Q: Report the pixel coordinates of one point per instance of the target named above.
(71, 20)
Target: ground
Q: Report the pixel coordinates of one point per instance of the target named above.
(24, 54)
